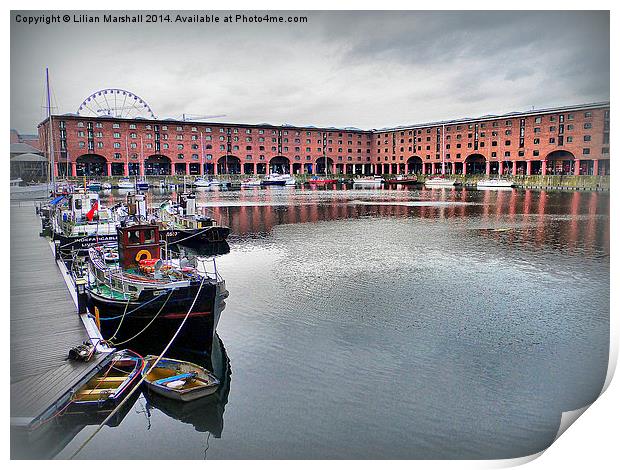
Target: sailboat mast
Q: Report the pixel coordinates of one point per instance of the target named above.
(50, 136)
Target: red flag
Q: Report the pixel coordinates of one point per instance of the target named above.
(91, 213)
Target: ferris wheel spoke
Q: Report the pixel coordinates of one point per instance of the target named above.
(129, 105)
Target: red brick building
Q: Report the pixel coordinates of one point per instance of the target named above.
(565, 140)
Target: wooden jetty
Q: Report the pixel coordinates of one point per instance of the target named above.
(44, 326)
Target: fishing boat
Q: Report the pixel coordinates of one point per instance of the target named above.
(125, 183)
(184, 225)
(321, 180)
(498, 183)
(440, 181)
(250, 183)
(111, 384)
(375, 181)
(178, 380)
(137, 285)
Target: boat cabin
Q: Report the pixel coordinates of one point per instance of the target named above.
(80, 204)
(136, 243)
(187, 204)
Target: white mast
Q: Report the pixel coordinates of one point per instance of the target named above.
(50, 136)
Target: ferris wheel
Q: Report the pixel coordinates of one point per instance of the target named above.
(117, 103)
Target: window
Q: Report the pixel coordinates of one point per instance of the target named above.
(117, 145)
(587, 138)
(587, 125)
(80, 124)
(132, 126)
(117, 135)
(538, 120)
(587, 114)
(586, 151)
(536, 153)
(116, 125)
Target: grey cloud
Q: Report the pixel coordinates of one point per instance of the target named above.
(362, 69)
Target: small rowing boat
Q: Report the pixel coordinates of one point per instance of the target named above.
(178, 380)
(107, 388)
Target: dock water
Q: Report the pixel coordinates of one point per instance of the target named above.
(44, 326)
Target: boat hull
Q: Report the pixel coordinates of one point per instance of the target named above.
(156, 319)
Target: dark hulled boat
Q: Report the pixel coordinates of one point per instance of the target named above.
(137, 288)
(185, 226)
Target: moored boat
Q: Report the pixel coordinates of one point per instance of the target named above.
(125, 183)
(189, 227)
(94, 185)
(403, 179)
(375, 181)
(111, 384)
(276, 179)
(250, 183)
(146, 289)
(178, 380)
(206, 183)
(142, 185)
(322, 180)
(498, 183)
(440, 181)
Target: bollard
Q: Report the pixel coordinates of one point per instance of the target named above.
(80, 286)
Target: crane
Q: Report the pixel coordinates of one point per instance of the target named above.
(195, 117)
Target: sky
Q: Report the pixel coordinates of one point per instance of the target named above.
(361, 69)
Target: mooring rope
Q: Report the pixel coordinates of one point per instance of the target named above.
(118, 407)
(149, 323)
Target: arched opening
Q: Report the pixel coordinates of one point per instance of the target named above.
(280, 164)
(324, 163)
(414, 165)
(157, 165)
(560, 162)
(91, 165)
(229, 164)
(476, 164)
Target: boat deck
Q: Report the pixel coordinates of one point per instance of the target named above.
(44, 326)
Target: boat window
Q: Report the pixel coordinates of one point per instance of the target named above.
(149, 236)
(78, 203)
(134, 236)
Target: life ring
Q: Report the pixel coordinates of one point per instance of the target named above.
(143, 252)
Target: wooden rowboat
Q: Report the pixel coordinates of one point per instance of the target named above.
(109, 386)
(178, 380)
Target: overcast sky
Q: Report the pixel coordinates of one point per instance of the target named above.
(361, 69)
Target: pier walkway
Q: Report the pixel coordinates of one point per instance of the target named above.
(44, 326)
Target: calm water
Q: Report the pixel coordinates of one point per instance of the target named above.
(391, 324)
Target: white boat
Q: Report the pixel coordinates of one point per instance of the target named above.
(440, 181)
(375, 181)
(106, 186)
(142, 184)
(204, 183)
(125, 183)
(498, 183)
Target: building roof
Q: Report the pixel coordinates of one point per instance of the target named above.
(23, 148)
(28, 157)
(487, 117)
